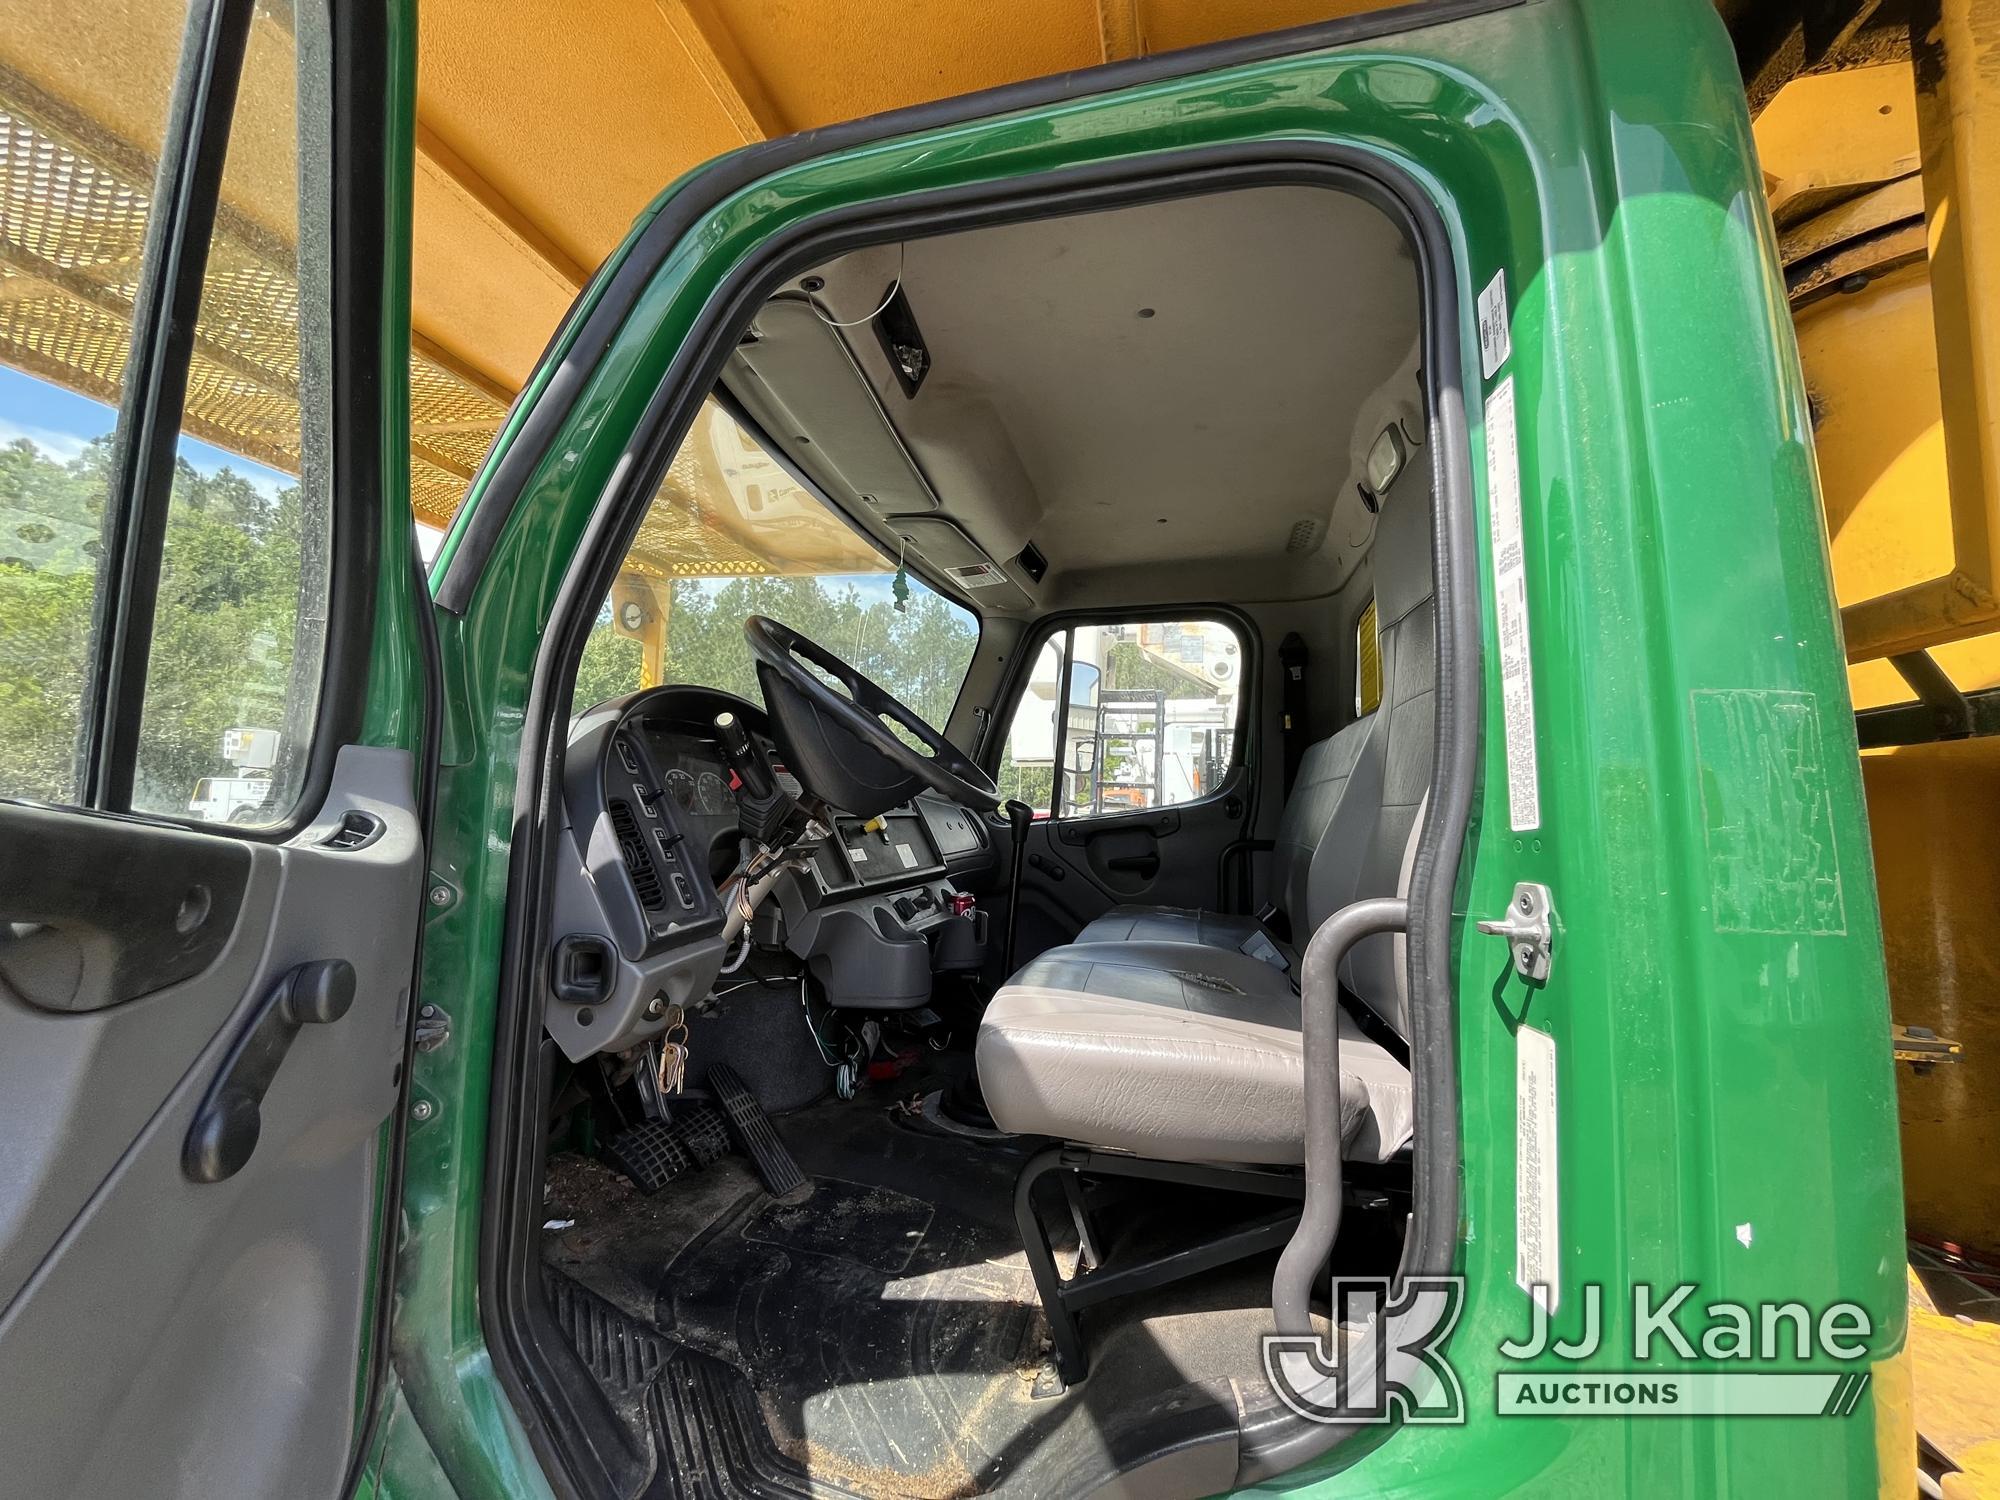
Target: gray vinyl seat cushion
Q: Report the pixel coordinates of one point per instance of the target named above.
(1175, 1052)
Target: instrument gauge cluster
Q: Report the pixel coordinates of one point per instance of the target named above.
(681, 789)
(712, 796)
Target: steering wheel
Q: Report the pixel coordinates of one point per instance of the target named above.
(839, 743)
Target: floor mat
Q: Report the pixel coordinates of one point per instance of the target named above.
(881, 1331)
(877, 1333)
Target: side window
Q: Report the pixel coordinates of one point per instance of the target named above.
(1367, 664)
(64, 342)
(234, 647)
(1117, 717)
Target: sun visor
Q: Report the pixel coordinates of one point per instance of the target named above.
(796, 378)
(958, 559)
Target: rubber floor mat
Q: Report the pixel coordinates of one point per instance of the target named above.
(709, 1434)
(891, 1349)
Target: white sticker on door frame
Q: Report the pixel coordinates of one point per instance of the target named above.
(1537, 1205)
(1510, 609)
(1496, 342)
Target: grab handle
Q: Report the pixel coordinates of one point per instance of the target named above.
(1319, 1005)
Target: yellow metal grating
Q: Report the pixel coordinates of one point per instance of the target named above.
(73, 208)
(447, 401)
(465, 448)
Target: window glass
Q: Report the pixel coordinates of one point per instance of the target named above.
(237, 646)
(239, 631)
(730, 534)
(84, 94)
(1149, 718)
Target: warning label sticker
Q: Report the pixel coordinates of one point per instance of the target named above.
(1510, 598)
(1495, 342)
(1537, 1258)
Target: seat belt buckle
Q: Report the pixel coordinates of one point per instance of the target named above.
(1259, 946)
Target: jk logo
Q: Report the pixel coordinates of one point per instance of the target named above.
(1383, 1360)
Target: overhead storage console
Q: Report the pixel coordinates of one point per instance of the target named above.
(803, 379)
(798, 379)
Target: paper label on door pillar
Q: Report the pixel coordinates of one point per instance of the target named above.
(1495, 342)
(1510, 609)
(1537, 1245)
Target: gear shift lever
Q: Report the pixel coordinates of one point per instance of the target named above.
(1019, 816)
(962, 1100)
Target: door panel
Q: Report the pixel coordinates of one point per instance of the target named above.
(147, 1315)
(217, 687)
(1079, 868)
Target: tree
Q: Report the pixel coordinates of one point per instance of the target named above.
(225, 629)
(920, 654)
(238, 627)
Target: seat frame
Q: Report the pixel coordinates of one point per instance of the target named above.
(1095, 1282)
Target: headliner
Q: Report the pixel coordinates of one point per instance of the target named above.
(1170, 401)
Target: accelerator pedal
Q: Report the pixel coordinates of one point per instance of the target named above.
(654, 1153)
(754, 1132)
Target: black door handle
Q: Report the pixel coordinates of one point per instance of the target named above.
(1143, 865)
(225, 1128)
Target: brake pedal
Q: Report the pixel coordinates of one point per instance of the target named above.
(654, 1153)
(754, 1131)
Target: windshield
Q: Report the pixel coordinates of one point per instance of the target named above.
(730, 534)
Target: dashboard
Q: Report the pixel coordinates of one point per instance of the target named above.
(653, 838)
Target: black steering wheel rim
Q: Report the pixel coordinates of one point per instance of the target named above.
(860, 711)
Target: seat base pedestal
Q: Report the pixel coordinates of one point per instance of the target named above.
(1096, 1282)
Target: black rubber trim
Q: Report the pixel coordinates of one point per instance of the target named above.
(173, 265)
(530, 1357)
(623, 282)
(1274, 1439)
(362, 271)
(357, 495)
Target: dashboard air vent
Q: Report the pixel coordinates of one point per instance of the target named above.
(638, 858)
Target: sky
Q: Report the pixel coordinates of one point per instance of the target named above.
(60, 423)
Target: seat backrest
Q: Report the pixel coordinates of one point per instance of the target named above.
(1323, 811)
(1349, 827)
(1406, 626)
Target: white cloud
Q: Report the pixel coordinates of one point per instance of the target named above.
(59, 446)
(265, 482)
